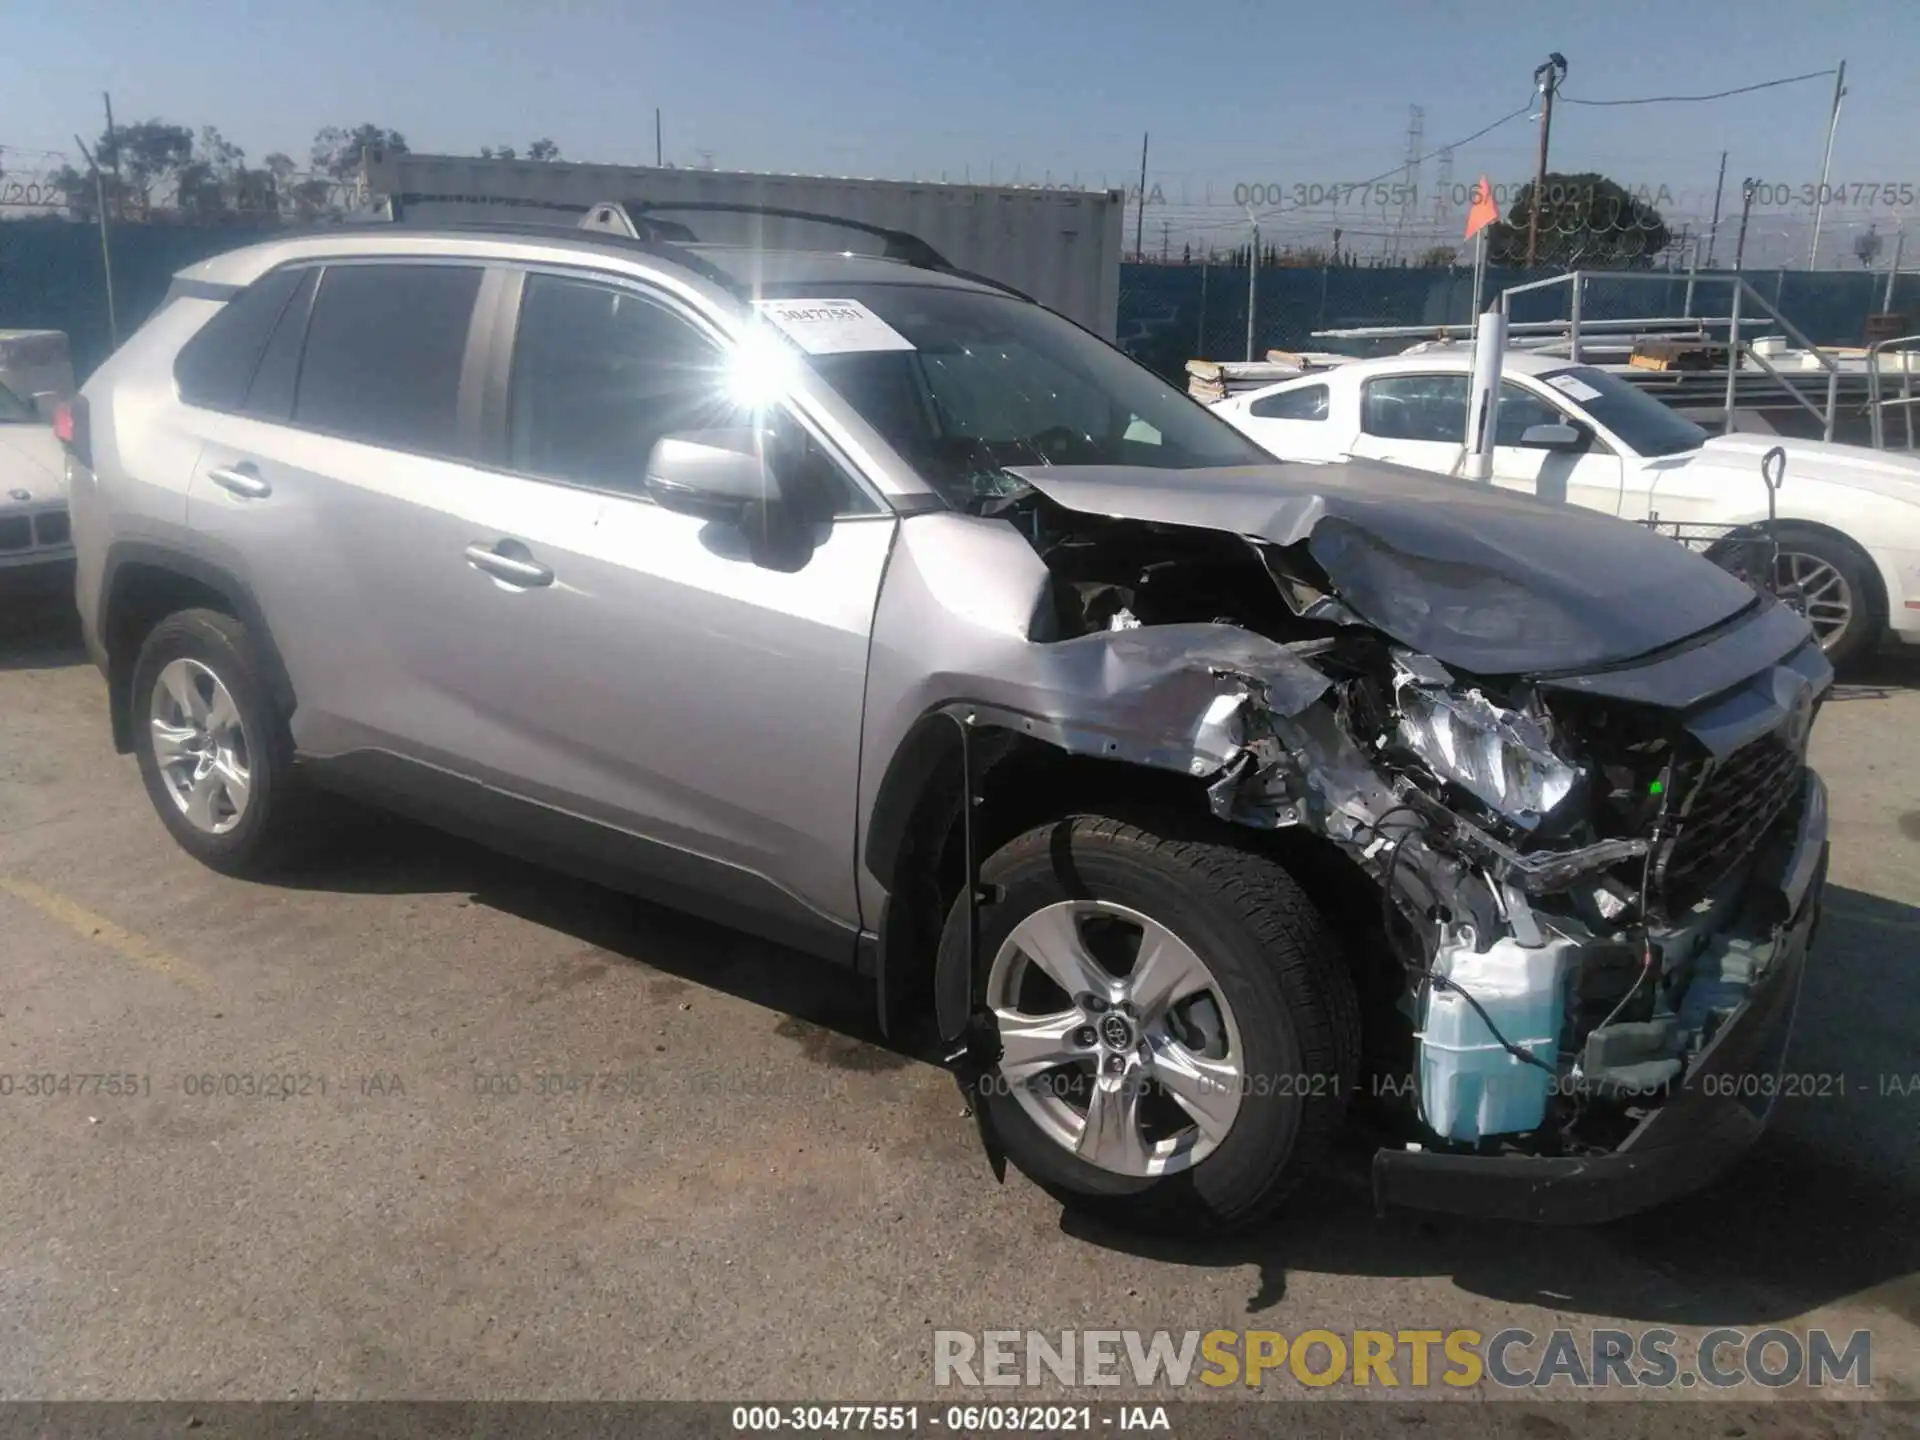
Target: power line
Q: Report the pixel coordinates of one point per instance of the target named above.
(1389, 174)
(1694, 99)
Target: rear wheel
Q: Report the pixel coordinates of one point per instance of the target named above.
(213, 752)
(1178, 1033)
(1836, 587)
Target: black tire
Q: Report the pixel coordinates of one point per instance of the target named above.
(1864, 629)
(264, 835)
(1275, 961)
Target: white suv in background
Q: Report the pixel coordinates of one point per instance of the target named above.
(1850, 536)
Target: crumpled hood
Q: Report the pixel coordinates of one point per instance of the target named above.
(1480, 579)
(31, 460)
(1878, 471)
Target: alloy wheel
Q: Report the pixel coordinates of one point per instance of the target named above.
(1825, 596)
(1115, 1038)
(201, 746)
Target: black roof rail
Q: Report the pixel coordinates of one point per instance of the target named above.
(632, 223)
(901, 245)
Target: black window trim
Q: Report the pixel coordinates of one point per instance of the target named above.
(492, 385)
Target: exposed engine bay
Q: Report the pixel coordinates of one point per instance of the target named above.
(1583, 869)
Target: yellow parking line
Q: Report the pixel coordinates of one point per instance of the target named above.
(124, 943)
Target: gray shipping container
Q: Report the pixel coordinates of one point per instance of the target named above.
(1062, 247)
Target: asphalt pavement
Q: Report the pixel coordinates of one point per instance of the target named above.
(421, 1121)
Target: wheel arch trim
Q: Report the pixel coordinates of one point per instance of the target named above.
(127, 563)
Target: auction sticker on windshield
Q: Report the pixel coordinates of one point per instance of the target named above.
(1573, 385)
(832, 327)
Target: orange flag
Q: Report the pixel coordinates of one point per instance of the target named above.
(1483, 212)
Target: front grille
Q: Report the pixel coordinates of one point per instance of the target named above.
(16, 532)
(53, 527)
(1722, 810)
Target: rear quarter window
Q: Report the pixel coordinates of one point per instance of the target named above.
(215, 367)
(1309, 402)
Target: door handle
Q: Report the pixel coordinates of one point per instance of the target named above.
(514, 569)
(242, 480)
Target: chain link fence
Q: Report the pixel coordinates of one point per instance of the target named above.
(1170, 314)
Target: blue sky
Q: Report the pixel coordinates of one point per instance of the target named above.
(1233, 92)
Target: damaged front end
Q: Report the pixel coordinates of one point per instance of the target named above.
(1597, 881)
(1598, 911)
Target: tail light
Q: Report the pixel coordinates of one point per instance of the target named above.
(71, 429)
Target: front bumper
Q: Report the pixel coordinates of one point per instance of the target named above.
(39, 573)
(1718, 1109)
(1900, 578)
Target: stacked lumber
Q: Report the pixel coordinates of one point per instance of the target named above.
(1211, 381)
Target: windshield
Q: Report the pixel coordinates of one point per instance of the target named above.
(990, 381)
(14, 410)
(1642, 423)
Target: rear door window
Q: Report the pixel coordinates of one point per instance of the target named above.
(383, 354)
(215, 367)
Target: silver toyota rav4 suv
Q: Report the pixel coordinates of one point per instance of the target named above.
(1194, 802)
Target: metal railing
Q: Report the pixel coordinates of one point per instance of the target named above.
(1877, 402)
(1737, 349)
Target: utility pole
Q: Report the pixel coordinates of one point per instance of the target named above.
(1713, 231)
(1547, 77)
(1746, 209)
(113, 144)
(1410, 177)
(1893, 270)
(1253, 271)
(1826, 163)
(1140, 214)
(1166, 227)
(656, 137)
(1200, 339)
(106, 254)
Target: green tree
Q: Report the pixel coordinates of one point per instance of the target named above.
(1585, 220)
(144, 157)
(1437, 257)
(214, 176)
(338, 151)
(497, 152)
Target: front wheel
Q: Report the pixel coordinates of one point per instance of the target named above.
(1178, 1033)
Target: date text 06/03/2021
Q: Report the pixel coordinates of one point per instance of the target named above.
(1041, 1419)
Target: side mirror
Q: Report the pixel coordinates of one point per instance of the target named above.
(1552, 437)
(716, 475)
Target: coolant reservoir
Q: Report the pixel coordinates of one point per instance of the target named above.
(1470, 1085)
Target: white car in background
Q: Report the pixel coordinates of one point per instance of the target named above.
(1849, 517)
(36, 540)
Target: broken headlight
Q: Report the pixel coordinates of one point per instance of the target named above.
(1502, 757)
